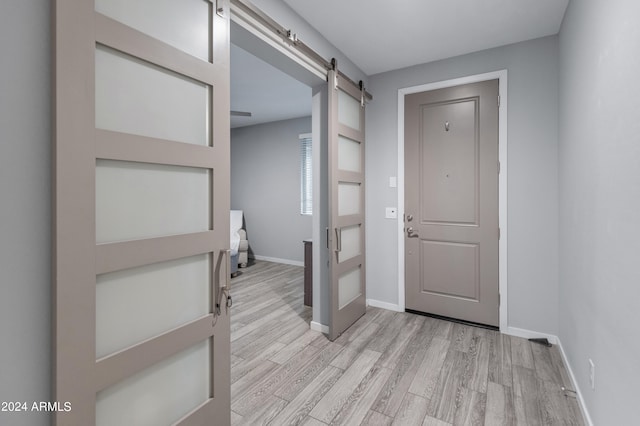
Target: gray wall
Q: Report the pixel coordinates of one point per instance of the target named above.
(600, 203)
(532, 181)
(288, 18)
(25, 236)
(265, 184)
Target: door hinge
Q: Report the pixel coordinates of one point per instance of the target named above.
(498, 101)
(498, 232)
(499, 167)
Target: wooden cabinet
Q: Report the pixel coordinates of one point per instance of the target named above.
(308, 272)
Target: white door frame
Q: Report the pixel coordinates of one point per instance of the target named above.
(501, 75)
(258, 40)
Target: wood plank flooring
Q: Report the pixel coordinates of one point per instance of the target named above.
(389, 368)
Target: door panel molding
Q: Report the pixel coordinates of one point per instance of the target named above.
(112, 257)
(349, 132)
(115, 35)
(431, 173)
(112, 145)
(502, 76)
(122, 364)
(438, 264)
(349, 177)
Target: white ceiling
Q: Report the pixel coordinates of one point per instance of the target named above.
(381, 35)
(264, 91)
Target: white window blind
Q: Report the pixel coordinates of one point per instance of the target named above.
(306, 186)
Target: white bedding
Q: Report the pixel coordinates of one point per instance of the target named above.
(236, 225)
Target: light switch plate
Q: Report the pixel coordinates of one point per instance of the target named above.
(393, 182)
(391, 213)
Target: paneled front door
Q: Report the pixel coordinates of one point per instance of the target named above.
(451, 202)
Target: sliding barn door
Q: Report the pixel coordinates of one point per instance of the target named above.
(141, 204)
(346, 204)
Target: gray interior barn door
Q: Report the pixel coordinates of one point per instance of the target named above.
(141, 204)
(346, 230)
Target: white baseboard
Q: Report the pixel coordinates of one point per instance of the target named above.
(316, 326)
(581, 403)
(278, 260)
(528, 334)
(384, 305)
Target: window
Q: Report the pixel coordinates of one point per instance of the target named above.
(306, 187)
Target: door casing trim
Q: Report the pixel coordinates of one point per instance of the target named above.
(501, 75)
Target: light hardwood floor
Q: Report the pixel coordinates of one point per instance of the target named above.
(389, 368)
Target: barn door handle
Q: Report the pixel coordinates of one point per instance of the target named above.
(224, 255)
(339, 239)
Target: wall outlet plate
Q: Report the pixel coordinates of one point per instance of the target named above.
(391, 213)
